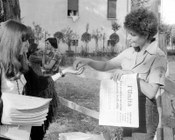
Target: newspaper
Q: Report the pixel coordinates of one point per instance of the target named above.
(119, 102)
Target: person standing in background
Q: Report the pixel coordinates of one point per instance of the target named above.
(51, 57)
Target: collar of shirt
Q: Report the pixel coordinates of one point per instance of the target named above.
(152, 48)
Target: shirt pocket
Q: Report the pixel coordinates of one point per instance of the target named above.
(144, 67)
(127, 64)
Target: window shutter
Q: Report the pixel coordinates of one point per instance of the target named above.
(111, 9)
(73, 5)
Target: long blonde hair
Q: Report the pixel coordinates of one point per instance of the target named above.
(12, 34)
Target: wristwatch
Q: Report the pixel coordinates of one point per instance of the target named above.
(61, 73)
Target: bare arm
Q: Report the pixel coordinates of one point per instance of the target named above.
(65, 71)
(50, 65)
(156, 78)
(148, 89)
(97, 65)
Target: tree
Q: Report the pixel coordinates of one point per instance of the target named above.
(172, 35)
(152, 5)
(135, 4)
(167, 31)
(32, 35)
(114, 38)
(86, 37)
(38, 32)
(68, 36)
(59, 36)
(97, 35)
(9, 9)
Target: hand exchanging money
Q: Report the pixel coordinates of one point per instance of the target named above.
(71, 70)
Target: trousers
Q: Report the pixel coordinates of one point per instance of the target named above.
(148, 121)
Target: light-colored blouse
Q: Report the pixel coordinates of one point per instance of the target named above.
(14, 87)
(151, 67)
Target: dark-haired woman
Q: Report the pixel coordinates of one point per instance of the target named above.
(143, 57)
(51, 57)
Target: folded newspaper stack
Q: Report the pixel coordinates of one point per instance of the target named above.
(24, 110)
(20, 113)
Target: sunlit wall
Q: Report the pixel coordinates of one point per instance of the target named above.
(52, 16)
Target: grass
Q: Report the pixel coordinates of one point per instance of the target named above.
(84, 92)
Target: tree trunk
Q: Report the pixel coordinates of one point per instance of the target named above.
(9, 9)
(86, 47)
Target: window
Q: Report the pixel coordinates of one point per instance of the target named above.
(72, 8)
(111, 13)
(74, 42)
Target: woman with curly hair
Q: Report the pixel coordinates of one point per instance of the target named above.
(143, 57)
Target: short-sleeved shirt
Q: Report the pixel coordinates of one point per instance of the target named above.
(151, 67)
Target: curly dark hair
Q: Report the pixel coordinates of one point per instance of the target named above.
(143, 22)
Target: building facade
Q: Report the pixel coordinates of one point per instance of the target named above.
(55, 15)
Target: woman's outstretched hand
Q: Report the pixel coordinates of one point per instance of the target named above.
(80, 62)
(71, 70)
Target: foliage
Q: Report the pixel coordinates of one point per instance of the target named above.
(32, 35)
(138, 3)
(173, 35)
(97, 35)
(168, 32)
(114, 39)
(104, 38)
(9, 9)
(86, 37)
(173, 40)
(84, 53)
(59, 35)
(38, 32)
(115, 26)
(68, 36)
(164, 28)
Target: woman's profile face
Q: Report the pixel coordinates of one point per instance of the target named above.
(135, 40)
(48, 45)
